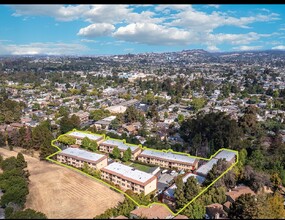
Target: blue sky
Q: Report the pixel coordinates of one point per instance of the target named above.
(120, 29)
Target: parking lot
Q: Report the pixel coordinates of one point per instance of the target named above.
(165, 180)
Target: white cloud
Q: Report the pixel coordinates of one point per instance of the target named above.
(96, 30)
(152, 34)
(107, 13)
(204, 22)
(173, 7)
(161, 24)
(280, 47)
(49, 48)
(88, 41)
(59, 12)
(235, 39)
(245, 47)
(213, 48)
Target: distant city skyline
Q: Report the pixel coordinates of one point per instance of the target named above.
(121, 29)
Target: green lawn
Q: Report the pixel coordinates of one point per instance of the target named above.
(127, 163)
(140, 167)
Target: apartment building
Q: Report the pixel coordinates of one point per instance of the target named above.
(129, 178)
(108, 146)
(76, 157)
(229, 156)
(205, 168)
(80, 135)
(169, 160)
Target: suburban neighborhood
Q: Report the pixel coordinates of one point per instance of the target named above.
(142, 111)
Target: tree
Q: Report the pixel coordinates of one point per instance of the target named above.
(13, 181)
(39, 134)
(198, 103)
(191, 188)
(248, 121)
(8, 211)
(273, 208)
(216, 129)
(42, 137)
(21, 163)
(180, 118)
(115, 124)
(75, 121)
(131, 115)
(127, 155)
(214, 195)
(10, 111)
(65, 139)
(67, 124)
(63, 111)
(195, 210)
(180, 199)
(276, 181)
(196, 143)
(217, 170)
(85, 143)
(23, 138)
(93, 146)
(99, 114)
(2, 140)
(123, 208)
(152, 113)
(257, 160)
(245, 207)
(27, 214)
(116, 153)
(166, 115)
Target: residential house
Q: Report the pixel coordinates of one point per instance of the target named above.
(117, 109)
(104, 123)
(233, 194)
(83, 116)
(215, 211)
(152, 212)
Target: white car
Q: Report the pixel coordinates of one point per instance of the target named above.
(164, 171)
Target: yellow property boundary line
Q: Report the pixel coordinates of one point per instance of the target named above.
(143, 148)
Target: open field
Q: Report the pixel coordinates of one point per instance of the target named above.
(63, 193)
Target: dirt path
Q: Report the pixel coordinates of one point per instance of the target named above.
(63, 193)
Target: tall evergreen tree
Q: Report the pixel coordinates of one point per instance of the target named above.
(191, 188)
(179, 193)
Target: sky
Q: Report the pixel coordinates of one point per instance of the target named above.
(139, 28)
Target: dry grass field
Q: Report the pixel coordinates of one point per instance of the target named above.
(60, 192)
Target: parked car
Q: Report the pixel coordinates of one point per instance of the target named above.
(164, 171)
